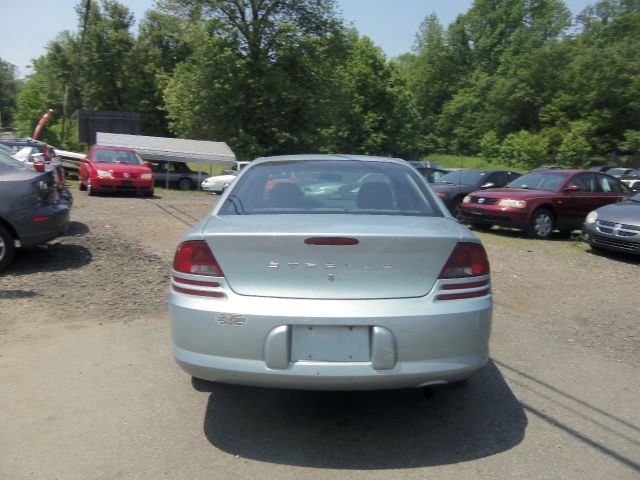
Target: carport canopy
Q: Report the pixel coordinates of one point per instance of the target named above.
(171, 149)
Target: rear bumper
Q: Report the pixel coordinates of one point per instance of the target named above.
(252, 341)
(47, 223)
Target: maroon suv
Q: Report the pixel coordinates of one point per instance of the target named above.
(542, 201)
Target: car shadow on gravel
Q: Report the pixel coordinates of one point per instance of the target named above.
(519, 234)
(49, 258)
(366, 430)
(617, 256)
(77, 229)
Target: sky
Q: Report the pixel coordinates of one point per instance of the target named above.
(28, 26)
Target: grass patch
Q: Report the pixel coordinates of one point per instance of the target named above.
(459, 161)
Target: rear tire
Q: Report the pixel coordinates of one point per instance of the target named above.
(185, 184)
(82, 186)
(455, 208)
(540, 225)
(7, 248)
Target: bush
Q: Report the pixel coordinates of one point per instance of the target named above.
(524, 150)
(573, 150)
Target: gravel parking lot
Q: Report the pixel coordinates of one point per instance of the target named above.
(90, 389)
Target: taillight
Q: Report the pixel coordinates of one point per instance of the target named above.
(195, 258)
(468, 260)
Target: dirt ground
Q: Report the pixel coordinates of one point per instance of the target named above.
(90, 389)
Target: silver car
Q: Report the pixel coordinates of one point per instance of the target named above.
(615, 226)
(369, 285)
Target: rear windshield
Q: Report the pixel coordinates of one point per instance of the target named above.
(10, 162)
(330, 186)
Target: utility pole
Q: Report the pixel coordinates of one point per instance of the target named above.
(76, 68)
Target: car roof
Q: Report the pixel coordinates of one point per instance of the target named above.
(327, 157)
(565, 170)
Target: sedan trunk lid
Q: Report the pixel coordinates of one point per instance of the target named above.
(266, 255)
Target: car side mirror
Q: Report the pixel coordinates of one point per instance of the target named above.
(487, 185)
(572, 188)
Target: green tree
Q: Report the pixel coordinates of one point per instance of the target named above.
(523, 149)
(631, 142)
(264, 85)
(9, 87)
(573, 150)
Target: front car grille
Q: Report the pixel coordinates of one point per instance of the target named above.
(483, 200)
(122, 175)
(599, 240)
(617, 229)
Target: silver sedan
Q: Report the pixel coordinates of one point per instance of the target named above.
(371, 286)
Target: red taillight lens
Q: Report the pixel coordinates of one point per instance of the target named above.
(466, 260)
(194, 257)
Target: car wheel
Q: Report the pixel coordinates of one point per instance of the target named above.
(541, 224)
(148, 193)
(7, 248)
(90, 190)
(184, 184)
(82, 186)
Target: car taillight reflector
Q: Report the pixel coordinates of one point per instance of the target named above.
(194, 257)
(186, 281)
(466, 260)
(198, 292)
(336, 241)
(461, 295)
(458, 286)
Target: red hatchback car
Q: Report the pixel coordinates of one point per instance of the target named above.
(542, 201)
(111, 169)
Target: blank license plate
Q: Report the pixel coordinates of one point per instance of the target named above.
(329, 344)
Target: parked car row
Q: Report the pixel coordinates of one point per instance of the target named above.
(546, 200)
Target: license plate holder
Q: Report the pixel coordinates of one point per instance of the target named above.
(330, 343)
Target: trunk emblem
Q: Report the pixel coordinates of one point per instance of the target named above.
(332, 277)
